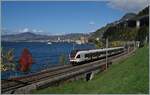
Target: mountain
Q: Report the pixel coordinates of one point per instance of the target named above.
(29, 36)
(127, 16)
(19, 37)
(143, 12)
(99, 33)
(74, 36)
(127, 29)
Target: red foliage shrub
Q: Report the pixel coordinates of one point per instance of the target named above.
(25, 60)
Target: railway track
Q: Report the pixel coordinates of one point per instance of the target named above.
(13, 84)
(26, 80)
(36, 78)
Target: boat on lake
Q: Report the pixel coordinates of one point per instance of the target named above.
(49, 43)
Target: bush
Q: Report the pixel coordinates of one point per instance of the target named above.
(62, 59)
(142, 34)
(7, 60)
(25, 60)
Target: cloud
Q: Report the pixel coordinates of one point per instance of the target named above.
(4, 31)
(92, 23)
(40, 31)
(37, 31)
(34, 30)
(30, 30)
(92, 30)
(24, 30)
(128, 5)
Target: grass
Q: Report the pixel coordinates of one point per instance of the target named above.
(128, 76)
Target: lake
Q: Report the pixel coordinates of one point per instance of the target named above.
(44, 55)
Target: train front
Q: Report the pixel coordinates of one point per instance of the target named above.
(72, 57)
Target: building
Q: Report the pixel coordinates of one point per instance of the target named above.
(84, 39)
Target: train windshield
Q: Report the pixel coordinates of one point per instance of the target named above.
(73, 53)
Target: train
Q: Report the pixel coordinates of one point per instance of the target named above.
(77, 57)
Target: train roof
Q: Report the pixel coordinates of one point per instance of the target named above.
(98, 50)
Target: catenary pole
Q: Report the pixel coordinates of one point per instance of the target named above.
(106, 53)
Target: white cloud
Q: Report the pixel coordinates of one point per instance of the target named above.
(24, 30)
(128, 5)
(40, 31)
(92, 30)
(37, 31)
(92, 23)
(34, 30)
(30, 30)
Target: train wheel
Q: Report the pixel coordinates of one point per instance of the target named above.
(73, 63)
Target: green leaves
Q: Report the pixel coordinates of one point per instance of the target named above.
(62, 59)
(7, 60)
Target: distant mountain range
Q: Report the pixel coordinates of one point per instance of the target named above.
(29, 36)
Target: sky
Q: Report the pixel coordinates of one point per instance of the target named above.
(63, 17)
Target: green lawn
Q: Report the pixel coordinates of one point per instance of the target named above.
(129, 76)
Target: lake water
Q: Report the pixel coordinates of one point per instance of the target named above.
(45, 55)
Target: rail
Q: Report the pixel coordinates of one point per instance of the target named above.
(52, 76)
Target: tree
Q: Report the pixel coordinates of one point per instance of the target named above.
(62, 59)
(142, 34)
(7, 60)
(25, 60)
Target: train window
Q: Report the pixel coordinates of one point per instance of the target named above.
(78, 56)
(95, 54)
(87, 55)
(104, 52)
(73, 53)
